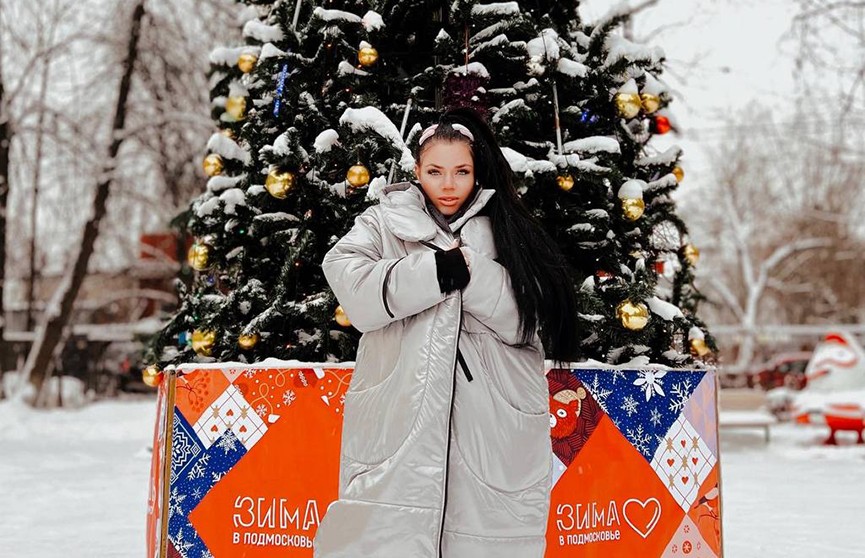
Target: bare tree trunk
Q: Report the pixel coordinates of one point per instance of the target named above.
(56, 316)
(5, 144)
(34, 209)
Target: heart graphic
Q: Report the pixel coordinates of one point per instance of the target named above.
(230, 413)
(214, 428)
(671, 461)
(683, 442)
(242, 428)
(685, 480)
(645, 514)
(694, 460)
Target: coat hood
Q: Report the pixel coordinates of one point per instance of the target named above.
(406, 216)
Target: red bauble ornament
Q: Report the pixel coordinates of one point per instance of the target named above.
(661, 125)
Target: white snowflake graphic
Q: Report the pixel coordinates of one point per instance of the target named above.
(655, 417)
(228, 442)
(197, 471)
(288, 397)
(181, 545)
(639, 439)
(206, 554)
(651, 383)
(600, 392)
(196, 493)
(618, 374)
(261, 410)
(680, 393)
(174, 503)
(630, 405)
(216, 477)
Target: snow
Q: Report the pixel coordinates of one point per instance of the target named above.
(632, 190)
(75, 481)
(326, 140)
(619, 48)
(572, 68)
(336, 16)
(629, 86)
(372, 21)
(221, 182)
(517, 161)
(496, 8)
(475, 68)
(345, 68)
(227, 148)
(594, 145)
(227, 56)
(270, 51)
(369, 118)
(664, 309)
(545, 46)
(261, 32)
(233, 198)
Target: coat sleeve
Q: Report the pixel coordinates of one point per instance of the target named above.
(489, 297)
(376, 291)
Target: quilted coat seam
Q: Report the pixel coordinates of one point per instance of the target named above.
(496, 538)
(423, 399)
(472, 472)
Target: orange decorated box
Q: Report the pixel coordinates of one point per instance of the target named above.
(246, 461)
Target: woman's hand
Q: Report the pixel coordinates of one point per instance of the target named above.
(464, 252)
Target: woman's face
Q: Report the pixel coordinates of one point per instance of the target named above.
(446, 172)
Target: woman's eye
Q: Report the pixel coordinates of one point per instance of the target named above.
(463, 172)
(432, 172)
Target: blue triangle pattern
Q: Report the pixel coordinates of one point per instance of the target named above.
(193, 484)
(643, 404)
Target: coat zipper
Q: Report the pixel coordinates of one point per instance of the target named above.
(460, 359)
(448, 433)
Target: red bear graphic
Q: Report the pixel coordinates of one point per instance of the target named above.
(565, 407)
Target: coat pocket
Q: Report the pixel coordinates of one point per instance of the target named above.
(515, 374)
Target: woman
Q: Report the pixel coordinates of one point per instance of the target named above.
(445, 441)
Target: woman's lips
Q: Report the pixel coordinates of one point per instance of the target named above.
(448, 200)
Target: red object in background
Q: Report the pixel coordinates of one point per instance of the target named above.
(785, 370)
(158, 246)
(661, 125)
(844, 416)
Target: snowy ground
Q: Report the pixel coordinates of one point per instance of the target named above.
(74, 484)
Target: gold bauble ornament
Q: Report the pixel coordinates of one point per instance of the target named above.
(357, 176)
(198, 256)
(246, 62)
(633, 208)
(628, 104)
(341, 317)
(692, 254)
(236, 107)
(679, 173)
(213, 165)
(279, 183)
(367, 56)
(633, 316)
(247, 342)
(203, 341)
(565, 181)
(650, 102)
(699, 347)
(151, 375)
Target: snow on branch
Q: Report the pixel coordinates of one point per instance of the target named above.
(368, 119)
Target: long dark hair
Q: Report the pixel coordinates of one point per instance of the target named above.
(543, 286)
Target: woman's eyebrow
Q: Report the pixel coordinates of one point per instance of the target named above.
(463, 166)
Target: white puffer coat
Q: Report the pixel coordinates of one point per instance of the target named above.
(436, 461)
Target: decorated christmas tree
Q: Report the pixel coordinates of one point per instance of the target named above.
(318, 110)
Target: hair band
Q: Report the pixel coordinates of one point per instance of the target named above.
(430, 131)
